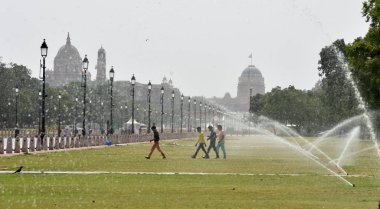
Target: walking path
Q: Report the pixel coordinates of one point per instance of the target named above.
(170, 173)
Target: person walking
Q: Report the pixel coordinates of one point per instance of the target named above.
(201, 144)
(212, 138)
(221, 139)
(156, 144)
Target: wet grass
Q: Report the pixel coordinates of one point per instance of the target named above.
(256, 155)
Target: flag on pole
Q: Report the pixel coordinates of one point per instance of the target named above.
(250, 56)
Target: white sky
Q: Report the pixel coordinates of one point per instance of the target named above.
(203, 45)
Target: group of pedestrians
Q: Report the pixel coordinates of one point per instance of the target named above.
(201, 142)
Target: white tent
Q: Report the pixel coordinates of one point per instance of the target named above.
(137, 126)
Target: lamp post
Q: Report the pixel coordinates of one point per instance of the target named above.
(112, 75)
(59, 114)
(188, 116)
(9, 115)
(39, 108)
(250, 112)
(200, 114)
(16, 125)
(133, 80)
(213, 115)
(181, 112)
(205, 116)
(75, 117)
(162, 109)
(149, 91)
(84, 75)
(89, 116)
(44, 51)
(195, 113)
(101, 119)
(173, 95)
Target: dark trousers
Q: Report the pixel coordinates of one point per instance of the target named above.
(212, 146)
(200, 146)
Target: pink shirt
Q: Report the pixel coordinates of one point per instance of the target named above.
(221, 136)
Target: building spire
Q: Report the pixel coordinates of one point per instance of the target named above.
(68, 41)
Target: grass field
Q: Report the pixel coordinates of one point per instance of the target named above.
(258, 173)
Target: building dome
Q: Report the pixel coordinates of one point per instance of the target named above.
(251, 71)
(67, 65)
(251, 78)
(68, 52)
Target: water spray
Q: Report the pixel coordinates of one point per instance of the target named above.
(302, 151)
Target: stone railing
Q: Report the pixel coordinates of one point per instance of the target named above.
(32, 143)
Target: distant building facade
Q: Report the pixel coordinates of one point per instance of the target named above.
(101, 67)
(250, 79)
(68, 66)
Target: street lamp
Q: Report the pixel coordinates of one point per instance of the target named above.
(133, 81)
(200, 114)
(250, 112)
(44, 51)
(84, 75)
(213, 115)
(101, 119)
(188, 116)
(195, 113)
(112, 75)
(162, 109)
(173, 95)
(149, 91)
(59, 114)
(76, 115)
(205, 116)
(16, 127)
(181, 112)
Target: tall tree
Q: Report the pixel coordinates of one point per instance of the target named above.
(364, 56)
(338, 96)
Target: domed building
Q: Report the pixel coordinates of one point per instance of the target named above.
(67, 66)
(250, 79)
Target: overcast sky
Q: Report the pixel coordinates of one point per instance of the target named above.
(203, 45)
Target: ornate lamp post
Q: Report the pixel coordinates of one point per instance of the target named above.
(101, 119)
(16, 125)
(173, 95)
(84, 75)
(181, 112)
(213, 115)
(133, 81)
(112, 75)
(59, 114)
(162, 109)
(44, 51)
(75, 117)
(205, 116)
(195, 113)
(250, 112)
(188, 116)
(89, 115)
(149, 111)
(200, 114)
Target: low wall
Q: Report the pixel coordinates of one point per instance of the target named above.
(27, 143)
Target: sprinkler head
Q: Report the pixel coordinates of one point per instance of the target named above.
(353, 185)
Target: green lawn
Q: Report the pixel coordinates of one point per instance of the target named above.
(259, 155)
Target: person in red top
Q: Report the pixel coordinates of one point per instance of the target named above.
(221, 138)
(156, 143)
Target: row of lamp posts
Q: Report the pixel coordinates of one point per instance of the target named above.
(42, 128)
